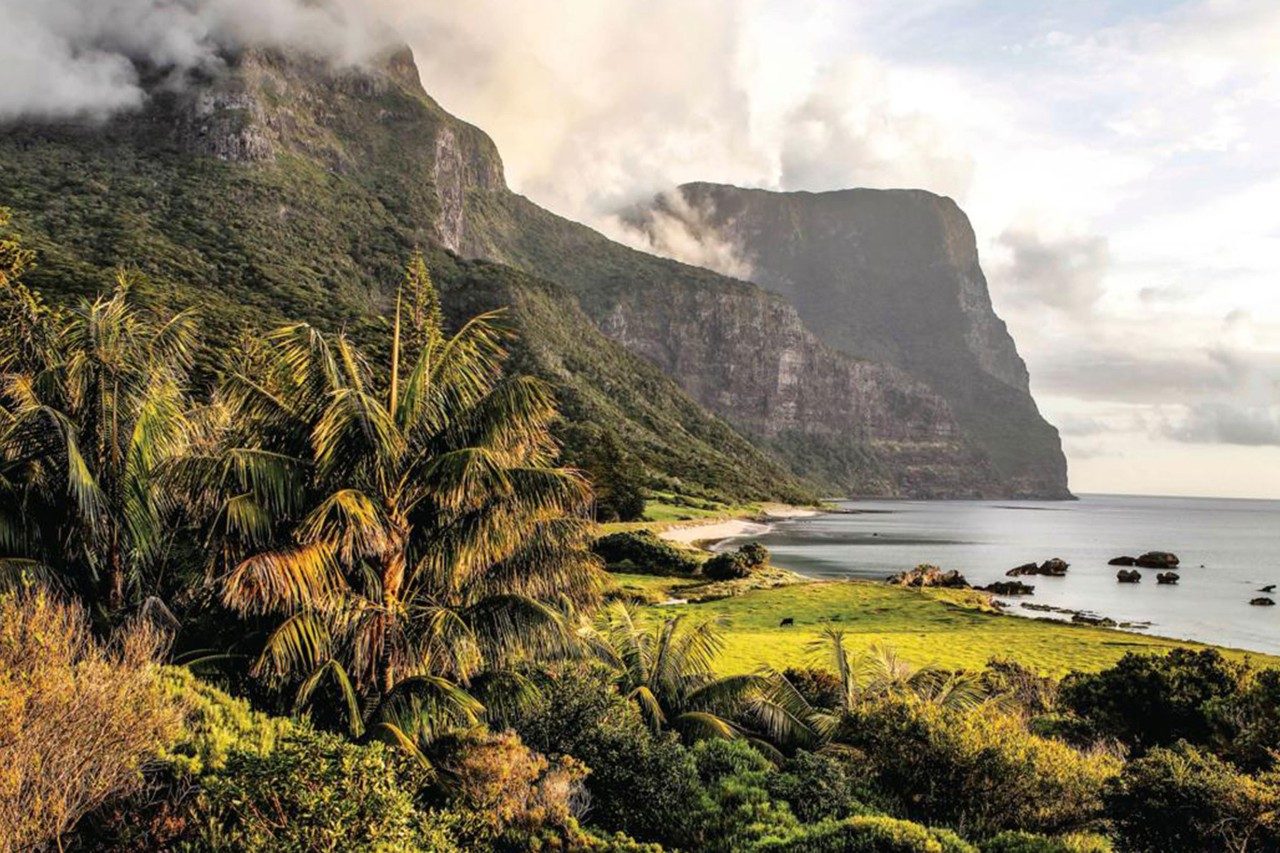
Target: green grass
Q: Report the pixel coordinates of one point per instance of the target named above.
(948, 628)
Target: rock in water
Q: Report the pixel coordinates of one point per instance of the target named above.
(1168, 578)
(1091, 619)
(1157, 560)
(1122, 561)
(1054, 568)
(1008, 588)
(1268, 588)
(1128, 576)
(1262, 601)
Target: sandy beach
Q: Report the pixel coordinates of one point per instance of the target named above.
(732, 528)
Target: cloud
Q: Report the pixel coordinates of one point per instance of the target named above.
(1228, 423)
(675, 228)
(1064, 273)
(79, 58)
(850, 131)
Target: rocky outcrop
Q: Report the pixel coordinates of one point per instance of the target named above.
(926, 575)
(1157, 560)
(1168, 578)
(1129, 576)
(1009, 588)
(892, 276)
(1262, 601)
(1122, 561)
(1054, 567)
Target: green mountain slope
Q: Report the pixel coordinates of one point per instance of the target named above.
(291, 237)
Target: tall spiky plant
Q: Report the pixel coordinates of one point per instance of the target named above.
(402, 523)
(665, 666)
(881, 672)
(93, 407)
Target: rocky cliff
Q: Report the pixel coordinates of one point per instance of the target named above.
(889, 275)
(286, 187)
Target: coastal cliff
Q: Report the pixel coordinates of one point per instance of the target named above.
(303, 185)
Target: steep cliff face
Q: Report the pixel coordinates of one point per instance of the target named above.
(302, 187)
(890, 275)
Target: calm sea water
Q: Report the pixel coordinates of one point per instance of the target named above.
(1229, 549)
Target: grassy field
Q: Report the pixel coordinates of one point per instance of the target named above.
(944, 627)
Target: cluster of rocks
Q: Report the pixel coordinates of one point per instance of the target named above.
(1009, 588)
(1129, 576)
(1168, 578)
(926, 575)
(1054, 568)
(1149, 560)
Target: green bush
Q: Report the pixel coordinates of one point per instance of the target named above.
(730, 565)
(1030, 842)
(1180, 798)
(1155, 700)
(642, 551)
(1250, 725)
(737, 810)
(867, 834)
(978, 771)
(216, 725)
(640, 783)
(314, 791)
(819, 786)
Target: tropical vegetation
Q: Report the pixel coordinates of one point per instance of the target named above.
(339, 590)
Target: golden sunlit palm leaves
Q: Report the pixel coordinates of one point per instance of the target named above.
(93, 409)
(406, 522)
(666, 667)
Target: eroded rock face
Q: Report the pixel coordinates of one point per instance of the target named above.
(893, 276)
(926, 575)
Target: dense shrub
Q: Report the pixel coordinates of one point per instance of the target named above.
(977, 771)
(821, 688)
(730, 565)
(642, 783)
(642, 551)
(1032, 693)
(1249, 725)
(1030, 842)
(314, 791)
(1183, 799)
(819, 786)
(867, 834)
(79, 720)
(509, 793)
(737, 810)
(1152, 700)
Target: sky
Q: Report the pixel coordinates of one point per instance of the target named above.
(1119, 159)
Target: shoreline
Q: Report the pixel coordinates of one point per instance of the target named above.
(710, 534)
(719, 530)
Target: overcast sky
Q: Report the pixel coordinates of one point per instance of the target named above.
(1120, 162)
(1120, 159)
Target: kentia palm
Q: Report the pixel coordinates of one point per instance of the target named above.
(93, 407)
(666, 666)
(410, 526)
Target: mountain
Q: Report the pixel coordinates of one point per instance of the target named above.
(285, 190)
(284, 187)
(892, 276)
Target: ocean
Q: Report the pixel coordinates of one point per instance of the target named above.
(1229, 550)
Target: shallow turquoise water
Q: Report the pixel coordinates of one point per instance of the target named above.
(1236, 541)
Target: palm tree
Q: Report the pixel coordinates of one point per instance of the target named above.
(402, 530)
(665, 667)
(93, 408)
(881, 672)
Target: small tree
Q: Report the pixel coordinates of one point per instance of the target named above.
(93, 409)
(401, 523)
